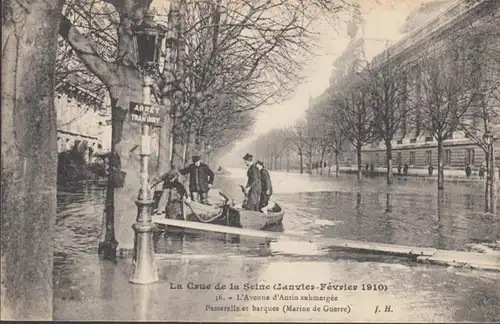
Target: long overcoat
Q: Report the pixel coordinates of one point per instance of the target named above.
(199, 177)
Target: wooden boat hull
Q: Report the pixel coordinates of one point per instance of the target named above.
(256, 220)
(235, 217)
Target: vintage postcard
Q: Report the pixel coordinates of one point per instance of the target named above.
(251, 160)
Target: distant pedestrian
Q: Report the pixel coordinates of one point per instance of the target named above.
(468, 171)
(372, 169)
(399, 169)
(482, 171)
(431, 170)
(405, 169)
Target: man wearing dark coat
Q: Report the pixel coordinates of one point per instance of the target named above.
(267, 187)
(253, 187)
(201, 179)
(178, 195)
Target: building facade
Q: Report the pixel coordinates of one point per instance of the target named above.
(83, 119)
(413, 144)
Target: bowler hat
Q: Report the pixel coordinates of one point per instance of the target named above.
(248, 157)
(196, 158)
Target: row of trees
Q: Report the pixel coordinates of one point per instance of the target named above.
(223, 59)
(451, 86)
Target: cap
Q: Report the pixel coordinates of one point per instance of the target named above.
(171, 175)
(196, 158)
(248, 157)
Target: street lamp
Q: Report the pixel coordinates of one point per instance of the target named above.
(489, 141)
(148, 38)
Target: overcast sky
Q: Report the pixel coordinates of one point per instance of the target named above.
(382, 21)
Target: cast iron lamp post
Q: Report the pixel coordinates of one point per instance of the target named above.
(489, 141)
(148, 38)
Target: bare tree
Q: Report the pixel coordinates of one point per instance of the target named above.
(333, 132)
(355, 118)
(386, 85)
(297, 139)
(248, 52)
(484, 114)
(320, 130)
(29, 158)
(446, 98)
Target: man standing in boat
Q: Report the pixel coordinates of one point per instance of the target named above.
(267, 187)
(253, 188)
(201, 179)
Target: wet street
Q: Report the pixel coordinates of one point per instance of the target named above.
(408, 213)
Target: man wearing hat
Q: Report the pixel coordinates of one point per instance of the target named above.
(175, 205)
(267, 187)
(253, 187)
(201, 179)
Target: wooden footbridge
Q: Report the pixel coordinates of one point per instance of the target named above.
(419, 254)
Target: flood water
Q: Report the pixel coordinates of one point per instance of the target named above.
(410, 212)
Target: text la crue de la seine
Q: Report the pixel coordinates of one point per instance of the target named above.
(326, 286)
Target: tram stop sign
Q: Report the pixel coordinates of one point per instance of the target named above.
(147, 114)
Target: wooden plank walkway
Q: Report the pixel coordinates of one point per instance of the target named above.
(461, 259)
(341, 243)
(473, 260)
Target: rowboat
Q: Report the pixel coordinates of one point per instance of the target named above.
(231, 214)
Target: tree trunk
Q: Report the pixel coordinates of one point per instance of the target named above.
(301, 163)
(493, 190)
(178, 127)
(388, 152)
(125, 141)
(29, 158)
(309, 163)
(360, 170)
(288, 162)
(337, 164)
(487, 182)
(440, 165)
(165, 140)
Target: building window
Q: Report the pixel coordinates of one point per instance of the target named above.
(469, 157)
(376, 158)
(399, 141)
(413, 140)
(428, 157)
(412, 158)
(428, 139)
(447, 157)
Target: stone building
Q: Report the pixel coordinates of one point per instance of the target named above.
(83, 118)
(463, 28)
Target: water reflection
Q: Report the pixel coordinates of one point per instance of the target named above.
(405, 213)
(388, 206)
